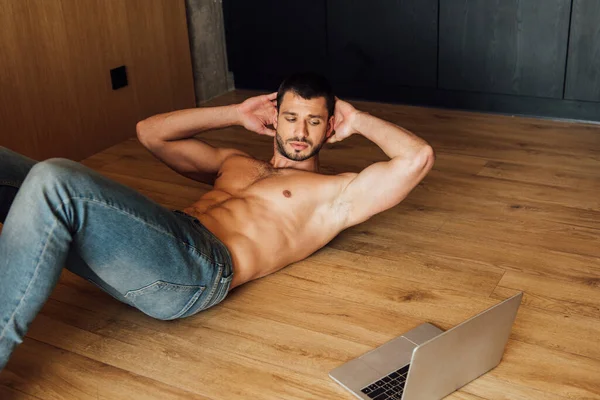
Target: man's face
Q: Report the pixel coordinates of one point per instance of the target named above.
(302, 126)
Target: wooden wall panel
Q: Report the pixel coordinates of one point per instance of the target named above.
(56, 98)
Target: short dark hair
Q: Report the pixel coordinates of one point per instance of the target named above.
(307, 85)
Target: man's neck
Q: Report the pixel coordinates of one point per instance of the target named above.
(311, 165)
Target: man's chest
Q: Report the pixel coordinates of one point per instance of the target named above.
(279, 188)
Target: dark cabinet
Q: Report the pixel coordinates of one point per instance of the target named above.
(269, 39)
(533, 57)
(378, 44)
(513, 47)
(583, 66)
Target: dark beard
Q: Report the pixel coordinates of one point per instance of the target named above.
(293, 155)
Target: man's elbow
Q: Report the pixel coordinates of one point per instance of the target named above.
(142, 128)
(146, 132)
(426, 158)
(421, 161)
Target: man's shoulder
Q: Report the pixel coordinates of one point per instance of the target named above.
(236, 158)
(348, 174)
(345, 178)
(235, 153)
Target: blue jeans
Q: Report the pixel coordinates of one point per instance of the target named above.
(60, 213)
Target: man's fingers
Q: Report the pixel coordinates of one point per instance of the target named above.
(264, 130)
(337, 123)
(272, 96)
(272, 118)
(269, 132)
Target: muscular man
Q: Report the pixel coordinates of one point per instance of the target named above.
(260, 216)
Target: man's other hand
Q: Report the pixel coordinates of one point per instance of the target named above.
(256, 113)
(344, 117)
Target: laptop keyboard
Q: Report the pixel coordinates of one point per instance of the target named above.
(389, 387)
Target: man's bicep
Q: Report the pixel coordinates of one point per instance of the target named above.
(192, 157)
(381, 186)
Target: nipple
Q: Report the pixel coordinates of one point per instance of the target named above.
(287, 193)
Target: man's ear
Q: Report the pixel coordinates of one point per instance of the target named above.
(275, 121)
(330, 126)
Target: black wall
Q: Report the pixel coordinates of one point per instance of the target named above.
(533, 57)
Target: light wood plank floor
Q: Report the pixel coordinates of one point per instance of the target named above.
(511, 204)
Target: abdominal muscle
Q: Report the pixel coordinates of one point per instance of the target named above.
(260, 239)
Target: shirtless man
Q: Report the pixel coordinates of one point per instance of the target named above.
(260, 216)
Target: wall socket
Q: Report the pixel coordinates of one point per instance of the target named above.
(118, 77)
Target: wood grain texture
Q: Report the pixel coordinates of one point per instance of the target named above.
(511, 205)
(504, 46)
(583, 65)
(57, 99)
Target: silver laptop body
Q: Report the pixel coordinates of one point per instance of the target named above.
(433, 363)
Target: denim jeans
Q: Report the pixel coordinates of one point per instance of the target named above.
(58, 213)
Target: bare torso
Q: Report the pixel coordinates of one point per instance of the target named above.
(269, 218)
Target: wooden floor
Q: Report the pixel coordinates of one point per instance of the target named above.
(512, 204)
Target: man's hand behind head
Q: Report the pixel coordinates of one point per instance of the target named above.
(344, 115)
(256, 113)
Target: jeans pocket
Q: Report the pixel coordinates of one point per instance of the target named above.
(164, 300)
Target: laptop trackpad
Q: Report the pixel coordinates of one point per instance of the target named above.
(390, 356)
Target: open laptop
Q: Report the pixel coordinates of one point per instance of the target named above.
(428, 363)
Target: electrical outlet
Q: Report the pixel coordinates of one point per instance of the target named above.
(118, 77)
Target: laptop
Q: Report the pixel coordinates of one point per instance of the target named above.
(428, 363)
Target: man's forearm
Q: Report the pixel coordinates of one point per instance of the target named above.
(394, 140)
(184, 124)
